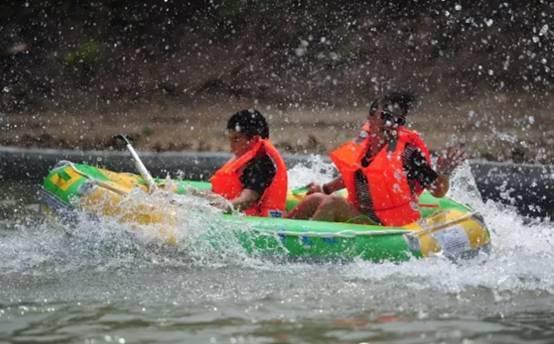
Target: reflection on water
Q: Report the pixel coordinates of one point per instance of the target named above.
(95, 284)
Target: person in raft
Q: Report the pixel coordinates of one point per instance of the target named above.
(384, 169)
(254, 180)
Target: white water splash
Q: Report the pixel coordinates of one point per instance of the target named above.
(314, 170)
(520, 259)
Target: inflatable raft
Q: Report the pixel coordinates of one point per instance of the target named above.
(447, 228)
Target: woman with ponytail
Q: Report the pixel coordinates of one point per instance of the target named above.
(384, 169)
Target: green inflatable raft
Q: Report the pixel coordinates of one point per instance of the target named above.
(447, 228)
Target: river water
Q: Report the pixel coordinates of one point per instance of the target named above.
(96, 285)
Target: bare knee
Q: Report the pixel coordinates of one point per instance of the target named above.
(334, 208)
(317, 197)
(314, 200)
(308, 206)
(331, 201)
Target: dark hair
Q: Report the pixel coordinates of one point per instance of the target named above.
(250, 123)
(395, 103)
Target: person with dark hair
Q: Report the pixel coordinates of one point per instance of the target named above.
(255, 179)
(384, 170)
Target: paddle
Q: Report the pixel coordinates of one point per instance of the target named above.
(142, 169)
(138, 163)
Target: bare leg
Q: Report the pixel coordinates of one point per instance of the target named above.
(308, 206)
(335, 209)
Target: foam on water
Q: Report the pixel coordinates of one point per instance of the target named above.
(100, 278)
(519, 261)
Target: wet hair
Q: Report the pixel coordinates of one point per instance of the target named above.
(250, 123)
(395, 105)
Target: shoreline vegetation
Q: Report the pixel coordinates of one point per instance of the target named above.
(75, 73)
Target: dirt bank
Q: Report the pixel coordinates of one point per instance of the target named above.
(73, 73)
(499, 127)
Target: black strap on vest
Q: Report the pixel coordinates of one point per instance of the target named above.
(363, 193)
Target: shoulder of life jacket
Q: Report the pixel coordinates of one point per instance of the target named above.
(412, 137)
(226, 181)
(391, 197)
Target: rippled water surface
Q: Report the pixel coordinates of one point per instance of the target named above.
(96, 284)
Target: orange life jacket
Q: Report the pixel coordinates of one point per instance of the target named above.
(226, 181)
(392, 200)
(413, 138)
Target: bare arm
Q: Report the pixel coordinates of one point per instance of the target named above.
(327, 188)
(245, 200)
(200, 193)
(440, 186)
(332, 186)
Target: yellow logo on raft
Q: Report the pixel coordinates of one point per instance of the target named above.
(65, 178)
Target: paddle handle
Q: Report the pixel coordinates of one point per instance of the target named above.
(142, 169)
(138, 163)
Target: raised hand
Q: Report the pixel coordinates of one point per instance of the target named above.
(448, 161)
